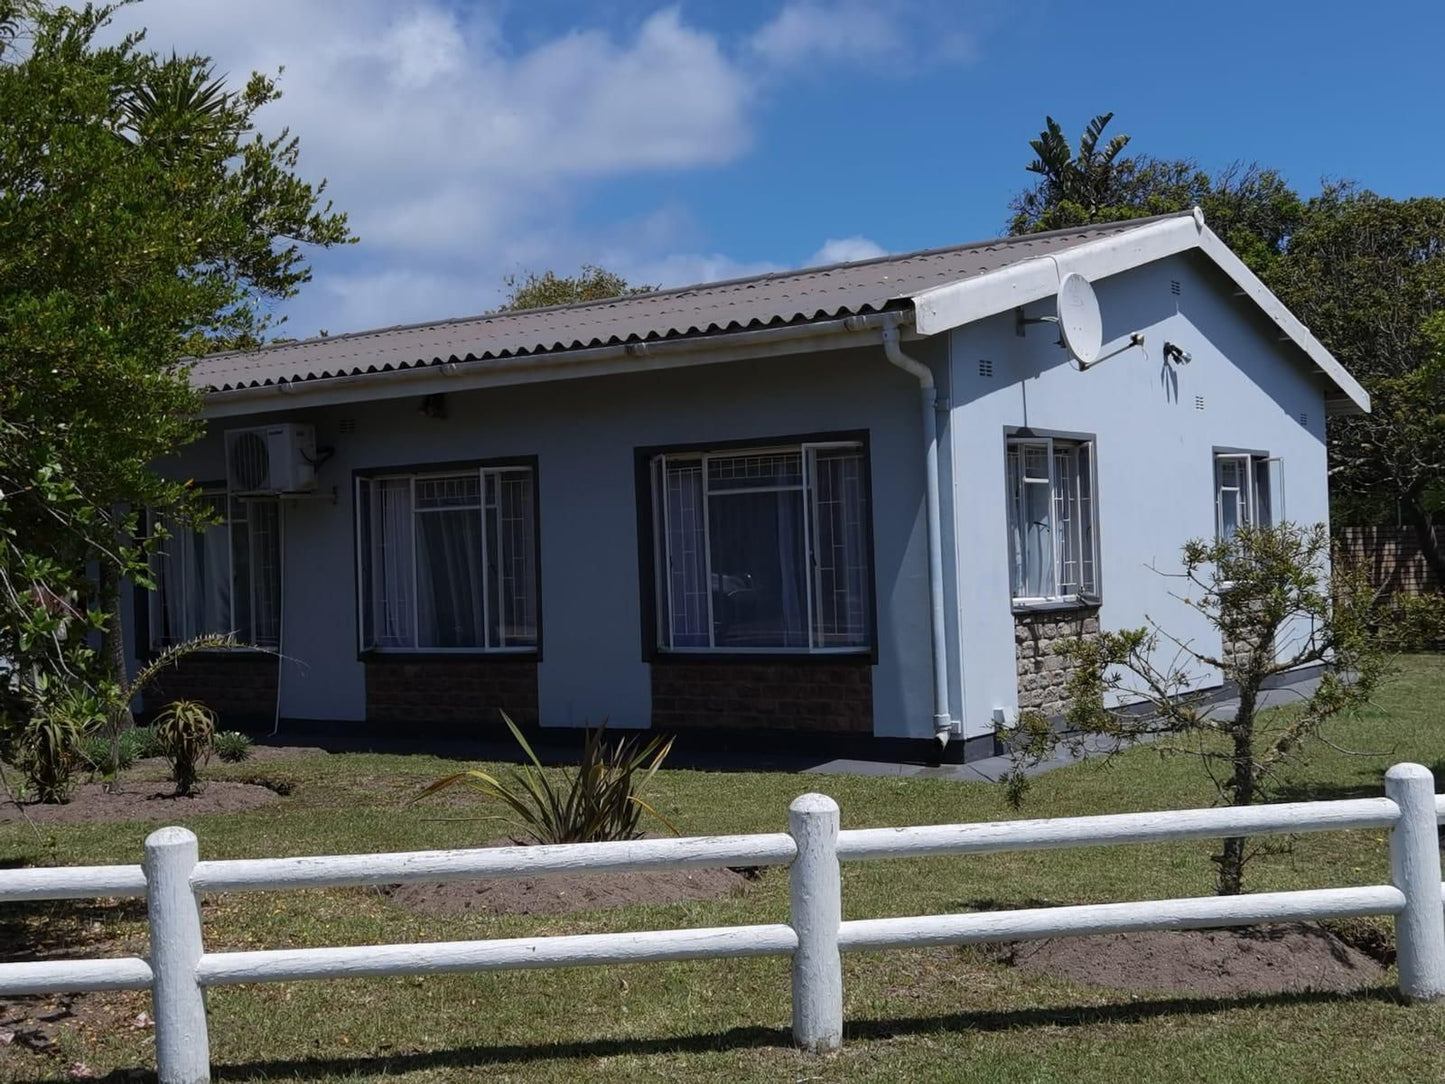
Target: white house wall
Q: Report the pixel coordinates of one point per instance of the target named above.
(584, 434)
(1154, 449)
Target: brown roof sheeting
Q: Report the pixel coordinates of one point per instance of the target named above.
(761, 301)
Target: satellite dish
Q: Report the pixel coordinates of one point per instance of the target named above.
(1080, 325)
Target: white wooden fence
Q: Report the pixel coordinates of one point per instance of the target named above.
(171, 880)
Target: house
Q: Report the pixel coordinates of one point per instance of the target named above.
(863, 501)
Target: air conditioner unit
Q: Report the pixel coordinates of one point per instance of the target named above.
(271, 459)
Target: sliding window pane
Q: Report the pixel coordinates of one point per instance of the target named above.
(517, 556)
(685, 581)
(759, 569)
(840, 550)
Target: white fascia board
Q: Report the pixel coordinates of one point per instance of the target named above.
(1288, 323)
(945, 307)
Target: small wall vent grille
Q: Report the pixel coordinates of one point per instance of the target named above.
(985, 367)
(1175, 288)
(346, 426)
(1199, 402)
(1304, 419)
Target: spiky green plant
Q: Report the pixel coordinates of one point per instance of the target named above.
(50, 748)
(597, 801)
(232, 746)
(186, 733)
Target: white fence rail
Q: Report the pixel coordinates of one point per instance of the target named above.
(179, 969)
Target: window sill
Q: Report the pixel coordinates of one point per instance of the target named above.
(862, 656)
(1057, 605)
(402, 658)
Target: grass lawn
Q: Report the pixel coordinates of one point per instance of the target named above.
(941, 1014)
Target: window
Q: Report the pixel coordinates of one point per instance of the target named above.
(1244, 487)
(763, 550)
(1053, 540)
(448, 561)
(224, 579)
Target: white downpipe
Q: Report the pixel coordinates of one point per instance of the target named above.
(942, 721)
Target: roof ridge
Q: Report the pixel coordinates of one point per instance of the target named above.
(1118, 225)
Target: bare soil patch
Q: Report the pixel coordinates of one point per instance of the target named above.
(142, 801)
(566, 892)
(1261, 960)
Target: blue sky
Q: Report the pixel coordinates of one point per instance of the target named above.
(681, 142)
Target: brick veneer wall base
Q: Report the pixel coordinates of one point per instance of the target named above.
(239, 685)
(801, 696)
(458, 692)
(1043, 672)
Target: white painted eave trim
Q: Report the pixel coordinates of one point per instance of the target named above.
(835, 334)
(946, 307)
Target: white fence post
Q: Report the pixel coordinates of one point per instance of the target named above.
(815, 890)
(183, 1052)
(1415, 871)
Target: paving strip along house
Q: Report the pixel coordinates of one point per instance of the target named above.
(843, 506)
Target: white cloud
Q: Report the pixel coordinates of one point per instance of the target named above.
(846, 250)
(869, 32)
(461, 155)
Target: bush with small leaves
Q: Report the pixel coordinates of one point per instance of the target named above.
(232, 746)
(186, 733)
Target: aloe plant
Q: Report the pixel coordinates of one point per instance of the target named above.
(186, 733)
(597, 801)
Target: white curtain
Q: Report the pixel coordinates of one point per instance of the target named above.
(391, 599)
(195, 583)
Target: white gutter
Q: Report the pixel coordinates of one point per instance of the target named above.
(942, 721)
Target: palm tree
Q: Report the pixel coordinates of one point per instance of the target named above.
(1086, 179)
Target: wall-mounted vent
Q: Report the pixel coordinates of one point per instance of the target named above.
(1175, 288)
(346, 426)
(1304, 419)
(1199, 402)
(985, 367)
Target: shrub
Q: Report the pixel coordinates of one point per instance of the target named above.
(232, 746)
(50, 748)
(147, 743)
(97, 750)
(597, 801)
(186, 734)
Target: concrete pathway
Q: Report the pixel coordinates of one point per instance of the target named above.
(992, 769)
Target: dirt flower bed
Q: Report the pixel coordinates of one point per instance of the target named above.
(139, 800)
(1211, 963)
(564, 893)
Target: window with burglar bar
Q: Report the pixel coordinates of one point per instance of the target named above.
(763, 550)
(448, 561)
(1053, 535)
(222, 580)
(1245, 485)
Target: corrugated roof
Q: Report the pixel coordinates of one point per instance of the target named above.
(785, 297)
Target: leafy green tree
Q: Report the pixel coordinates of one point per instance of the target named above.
(533, 291)
(1367, 274)
(1252, 208)
(143, 219)
(1274, 607)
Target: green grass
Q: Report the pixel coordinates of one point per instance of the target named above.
(941, 1014)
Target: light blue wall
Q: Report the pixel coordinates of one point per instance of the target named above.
(1155, 449)
(584, 434)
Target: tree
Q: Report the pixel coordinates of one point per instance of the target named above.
(1367, 274)
(143, 218)
(1276, 604)
(533, 291)
(1252, 208)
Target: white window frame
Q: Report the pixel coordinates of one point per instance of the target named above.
(1261, 500)
(484, 509)
(663, 557)
(227, 498)
(1053, 447)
